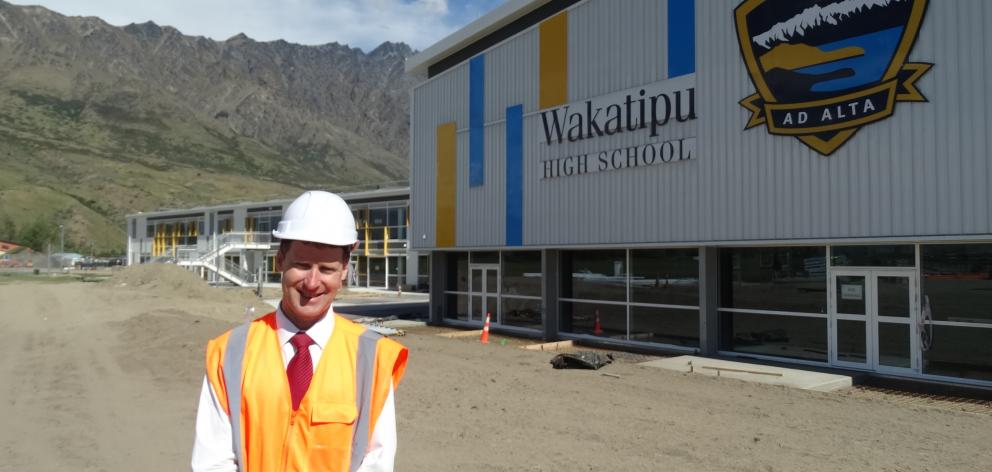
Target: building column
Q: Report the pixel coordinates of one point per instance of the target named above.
(709, 300)
(549, 296)
(412, 267)
(439, 274)
(239, 215)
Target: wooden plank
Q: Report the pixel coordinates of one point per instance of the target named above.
(461, 334)
(554, 346)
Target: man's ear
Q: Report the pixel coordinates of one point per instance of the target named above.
(279, 260)
(354, 247)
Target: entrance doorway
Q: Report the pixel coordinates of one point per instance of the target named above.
(873, 316)
(484, 292)
(377, 272)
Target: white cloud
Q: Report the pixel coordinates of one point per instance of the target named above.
(358, 23)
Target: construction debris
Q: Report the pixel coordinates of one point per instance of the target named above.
(581, 360)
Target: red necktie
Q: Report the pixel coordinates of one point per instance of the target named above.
(300, 368)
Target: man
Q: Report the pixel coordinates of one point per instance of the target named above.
(316, 390)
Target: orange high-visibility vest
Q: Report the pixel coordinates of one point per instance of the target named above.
(334, 422)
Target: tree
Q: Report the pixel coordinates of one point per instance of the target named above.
(36, 234)
(8, 230)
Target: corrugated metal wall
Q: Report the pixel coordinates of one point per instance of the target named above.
(923, 172)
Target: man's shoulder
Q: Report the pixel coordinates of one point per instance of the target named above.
(356, 329)
(347, 326)
(266, 320)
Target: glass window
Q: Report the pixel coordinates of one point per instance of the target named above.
(851, 341)
(521, 312)
(377, 217)
(581, 318)
(851, 294)
(594, 275)
(489, 257)
(397, 235)
(457, 272)
(893, 345)
(225, 224)
(360, 219)
(893, 296)
(794, 337)
(150, 231)
(423, 272)
(664, 325)
(960, 352)
(377, 272)
(456, 307)
(778, 279)
(957, 279)
(397, 265)
(873, 256)
(665, 276)
(363, 271)
(397, 216)
(522, 273)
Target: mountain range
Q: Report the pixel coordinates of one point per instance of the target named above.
(99, 121)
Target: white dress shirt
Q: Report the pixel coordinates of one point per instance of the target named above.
(212, 448)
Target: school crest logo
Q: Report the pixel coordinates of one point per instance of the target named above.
(825, 68)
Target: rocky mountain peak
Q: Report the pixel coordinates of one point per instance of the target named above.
(144, 100)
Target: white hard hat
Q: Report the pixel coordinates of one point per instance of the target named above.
(319, 217)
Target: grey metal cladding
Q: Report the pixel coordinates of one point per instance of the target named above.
(512, 75)
(923, 172)
(442, 100)
(615, 46)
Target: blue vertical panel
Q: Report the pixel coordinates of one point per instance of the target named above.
(515, 175)
(476, 120)
(681, 37)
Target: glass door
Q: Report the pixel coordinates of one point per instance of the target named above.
(896, 346)
(484, 292)
(377, 272)
(872, 316)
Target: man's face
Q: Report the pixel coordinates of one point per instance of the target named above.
(312, 274)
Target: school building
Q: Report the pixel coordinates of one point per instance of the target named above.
(802, 181)
(233, 243)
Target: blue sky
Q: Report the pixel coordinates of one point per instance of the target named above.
(359, 23)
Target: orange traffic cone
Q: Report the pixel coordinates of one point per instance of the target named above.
(597, 329)
(485, 331)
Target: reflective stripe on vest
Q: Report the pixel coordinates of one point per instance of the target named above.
(363, 395)
(233, 365)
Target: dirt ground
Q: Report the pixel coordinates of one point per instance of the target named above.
(105, 376)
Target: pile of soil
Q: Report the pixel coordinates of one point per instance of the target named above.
(168, 280)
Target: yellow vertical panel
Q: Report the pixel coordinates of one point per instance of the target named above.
(367, 239)
(445, 185)
(554, 61)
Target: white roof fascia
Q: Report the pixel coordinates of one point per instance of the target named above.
(503, 15)
(400, 193)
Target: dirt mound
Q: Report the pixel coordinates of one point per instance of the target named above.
(172, 280)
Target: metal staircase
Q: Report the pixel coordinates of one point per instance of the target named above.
(215, 261)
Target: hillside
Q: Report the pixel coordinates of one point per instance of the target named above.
(98, 121)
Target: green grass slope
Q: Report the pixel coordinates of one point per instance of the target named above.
(86, 165)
